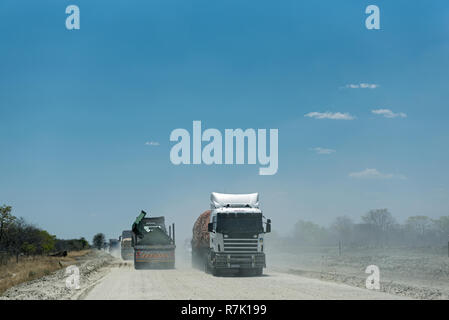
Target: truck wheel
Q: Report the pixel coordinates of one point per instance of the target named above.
(251, 272)
(258, 272)
(211, 270)
(137, 265)
(215, 272)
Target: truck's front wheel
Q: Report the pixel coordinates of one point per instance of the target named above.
(213, 271)
(207, 267)
(251, 272)
(137, 265)
(258, 271)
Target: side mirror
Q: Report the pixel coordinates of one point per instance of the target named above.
(268, 228)
(210, 227)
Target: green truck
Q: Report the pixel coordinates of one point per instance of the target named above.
(154, 247)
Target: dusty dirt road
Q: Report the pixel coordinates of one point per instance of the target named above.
(123, 282)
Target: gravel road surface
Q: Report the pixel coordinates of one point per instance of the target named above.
(123, 282)
(103, 276)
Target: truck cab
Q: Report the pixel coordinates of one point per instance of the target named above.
(236, 232)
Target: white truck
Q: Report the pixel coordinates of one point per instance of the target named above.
(236, 232)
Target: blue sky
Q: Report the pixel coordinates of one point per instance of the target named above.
(77, 107)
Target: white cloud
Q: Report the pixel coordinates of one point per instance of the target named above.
(375, 174)
(330, 115)
(152, 143)
(319, 150)
(362, 86)
(387, 113)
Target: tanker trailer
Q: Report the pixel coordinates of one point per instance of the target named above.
(229, 237)
(154, 248)
(127, 251)
(200, 240)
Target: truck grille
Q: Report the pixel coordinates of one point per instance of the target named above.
(240, 260)
(240, 245)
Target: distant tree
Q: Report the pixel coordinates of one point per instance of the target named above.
(99, 241)
(6, 218)
(382, 224)
(365, 234)
(47, 242)
(343, 227)
(84, 243)
(71, 244)
(16, 237)
(310, 233)
(442, 227)
(418, 224)
(380, 218)
(28, 248)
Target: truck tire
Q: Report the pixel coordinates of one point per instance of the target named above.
(212, 270)
(137, 265)
(251, 272)
(216, 272)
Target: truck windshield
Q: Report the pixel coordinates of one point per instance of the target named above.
(239, 222)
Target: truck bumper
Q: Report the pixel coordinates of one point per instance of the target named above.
(239, 260)
(154, 257)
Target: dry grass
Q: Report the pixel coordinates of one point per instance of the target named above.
(30, 268)
(75, 254)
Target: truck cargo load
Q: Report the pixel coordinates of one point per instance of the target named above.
(200, 240)
(153, 246)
